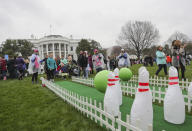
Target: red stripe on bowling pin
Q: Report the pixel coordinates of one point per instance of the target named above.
(111, 84)
(173, 83)
(143, 84)
(173, 78)
(112, 80)
(143, 90)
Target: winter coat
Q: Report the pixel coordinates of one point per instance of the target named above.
(32, 69)
(161, 58)
(3, 64)
(124, 60)
(82, 61)
(168, 59)
(178, 56)
(64, 61)
(90, 62)
(11, 65)
(20, 63)
(98, 61)
(51, 63)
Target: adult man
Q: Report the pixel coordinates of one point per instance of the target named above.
(124, 60)
(98, 61)
(82, 62)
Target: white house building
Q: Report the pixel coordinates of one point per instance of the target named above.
(56, 44)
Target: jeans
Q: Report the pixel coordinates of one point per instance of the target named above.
(160, 67)
(99, 69)
(34, 76)
(50, 74)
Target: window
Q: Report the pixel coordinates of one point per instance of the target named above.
(66, 47)
(50, 47)
(71, 48)
(62, 47)
(44, 48)
(56, 47)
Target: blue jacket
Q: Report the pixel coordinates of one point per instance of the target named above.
(51, 64)
(161, 58)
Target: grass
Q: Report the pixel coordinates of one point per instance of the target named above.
(28, 107)
(158, 121)
(152, 70)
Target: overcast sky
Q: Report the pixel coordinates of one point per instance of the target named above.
(100, 20)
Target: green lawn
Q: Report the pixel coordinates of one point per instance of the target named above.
(152, 70)
(27, 107)
(159, 122)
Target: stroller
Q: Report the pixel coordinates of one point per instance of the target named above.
(64, 71)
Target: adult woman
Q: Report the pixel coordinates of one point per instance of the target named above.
(178, 56)
(34, 66)
(161, 60)
(20, 66)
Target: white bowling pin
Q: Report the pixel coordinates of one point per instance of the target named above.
(111, 102)
(174, 105)
(190, 90)
(142, 108)
(141, 68)
(118, 85)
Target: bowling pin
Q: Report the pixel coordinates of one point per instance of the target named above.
(141, 68)
(190, 90)
(142, 108)
(174, 105)
(118, 85)
(111, 102)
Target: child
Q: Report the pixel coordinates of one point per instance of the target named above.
(161, 60)
(51, 64)
(64, 67)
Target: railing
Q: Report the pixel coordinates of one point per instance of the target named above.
(92, 109)
(161, 81)
(158, 88)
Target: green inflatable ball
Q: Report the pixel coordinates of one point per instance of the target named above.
(125, 74)
(100, 80)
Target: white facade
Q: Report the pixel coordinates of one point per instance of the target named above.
(56, 44)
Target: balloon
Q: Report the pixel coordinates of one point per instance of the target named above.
(125, 74)
(100, 80)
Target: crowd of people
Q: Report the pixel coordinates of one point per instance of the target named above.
(177, 58)
(15, 66)
(86, 64)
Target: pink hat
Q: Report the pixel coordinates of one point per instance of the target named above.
(35, 50)
(95, 50)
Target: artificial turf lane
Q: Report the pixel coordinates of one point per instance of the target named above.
(158, 119)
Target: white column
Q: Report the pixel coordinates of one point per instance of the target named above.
(65, 50)
(53, 51)
(42, 53)
(47, 48)
(60, 50)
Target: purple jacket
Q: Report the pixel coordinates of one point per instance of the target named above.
(20, 63)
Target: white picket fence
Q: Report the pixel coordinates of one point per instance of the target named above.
(92, 109)
(158, 88)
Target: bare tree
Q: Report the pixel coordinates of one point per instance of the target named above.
(178, 36)
(139, 35)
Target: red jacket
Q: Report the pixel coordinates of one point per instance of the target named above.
(3, 64)
(169, 59)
